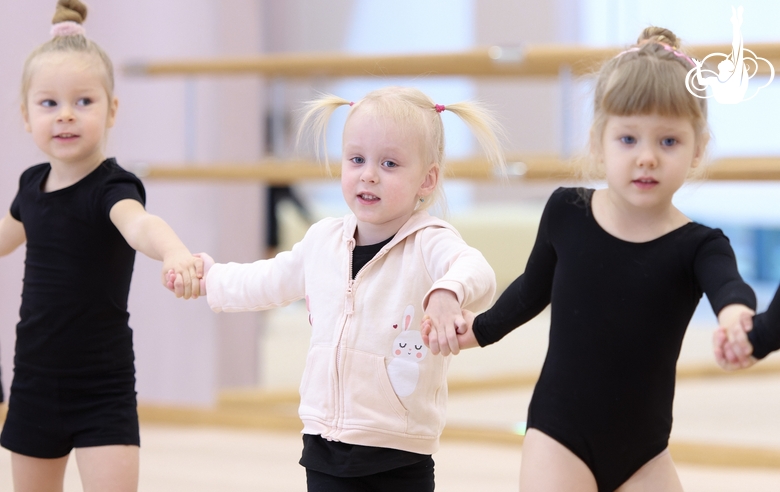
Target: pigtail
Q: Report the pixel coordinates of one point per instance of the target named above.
(316, 116)
(485, 127)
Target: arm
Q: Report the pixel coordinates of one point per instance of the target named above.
(153, 237)
(527, 296)
(264, 284)
(731, 299)
(462, 277)
(12, 234)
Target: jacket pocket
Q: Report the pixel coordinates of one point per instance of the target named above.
(316, 387)
(369, 399)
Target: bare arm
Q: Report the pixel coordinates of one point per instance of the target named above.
(11, 234)
(153, 237)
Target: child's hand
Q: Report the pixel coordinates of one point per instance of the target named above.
(731, 346)
(446, 321)
(186, 269)
(465, 339)
(176, 284)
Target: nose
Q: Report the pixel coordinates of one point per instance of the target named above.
(647, 157)
(65, 114)
(369, 174)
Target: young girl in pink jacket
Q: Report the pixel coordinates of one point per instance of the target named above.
(372, 396)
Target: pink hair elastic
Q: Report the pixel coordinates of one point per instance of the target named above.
(676, 53)
(351, 103)
(439, 108)
(67, 28)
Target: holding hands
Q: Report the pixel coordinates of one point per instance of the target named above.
(731, 346)
(178, 281)
(446, 328)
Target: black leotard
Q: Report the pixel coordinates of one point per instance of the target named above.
(619, 313)
(765, 335)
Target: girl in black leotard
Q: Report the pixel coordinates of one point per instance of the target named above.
(623, 271)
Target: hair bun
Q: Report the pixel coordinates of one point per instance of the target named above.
(70, 10)
(659, 35)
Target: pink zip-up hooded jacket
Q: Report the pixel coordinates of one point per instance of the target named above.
(369, 379)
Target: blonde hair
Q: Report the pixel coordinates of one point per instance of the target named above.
(647, 78)
(68, 11)
(415, 112)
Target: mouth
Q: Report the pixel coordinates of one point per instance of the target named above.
(645, 182)
(65, 136)
(368, 197)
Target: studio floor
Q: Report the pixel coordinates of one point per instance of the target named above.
(744, 426)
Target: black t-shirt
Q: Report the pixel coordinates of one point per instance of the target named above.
(619, 311)
(340, 459)
(74, 317)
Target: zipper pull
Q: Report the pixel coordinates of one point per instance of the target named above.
(349, 302)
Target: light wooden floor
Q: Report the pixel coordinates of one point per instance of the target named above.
(723, 424)
(212, 459)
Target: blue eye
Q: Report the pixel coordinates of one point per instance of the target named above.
(668, 142)
(390, 164)
(358, 160)
(48, 103)
(85, 101)
(628, 140)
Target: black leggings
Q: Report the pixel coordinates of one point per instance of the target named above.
(413, 478)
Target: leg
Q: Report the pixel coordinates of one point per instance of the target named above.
(657, 474)
(113, 468)
(37, 474)
(548, 466)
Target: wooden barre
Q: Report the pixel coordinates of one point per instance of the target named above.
(527, 61)
(528, 168)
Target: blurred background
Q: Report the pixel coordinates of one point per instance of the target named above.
(191, 363)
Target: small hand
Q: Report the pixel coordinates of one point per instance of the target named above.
(184, 270)
(208, 262)
(731, 347)
(465, 335)
(444, 320)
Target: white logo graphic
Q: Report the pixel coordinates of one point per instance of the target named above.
(730, 84)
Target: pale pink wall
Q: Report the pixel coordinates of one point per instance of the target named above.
(183, 351)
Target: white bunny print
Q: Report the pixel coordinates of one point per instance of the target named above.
(408, 351)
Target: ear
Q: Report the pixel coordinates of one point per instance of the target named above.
(26, 117)
(112, 107)
(428, 185)
(698, 152)
(408, 315)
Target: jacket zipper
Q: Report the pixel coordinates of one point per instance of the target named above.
(349, 310)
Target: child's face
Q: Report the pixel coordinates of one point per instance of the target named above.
(67, 109)
(383, 175)
(647, 157)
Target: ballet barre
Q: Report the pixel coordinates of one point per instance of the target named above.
(540, 167)
(494, 61)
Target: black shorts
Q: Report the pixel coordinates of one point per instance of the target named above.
(48, 416)
(417, 477)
